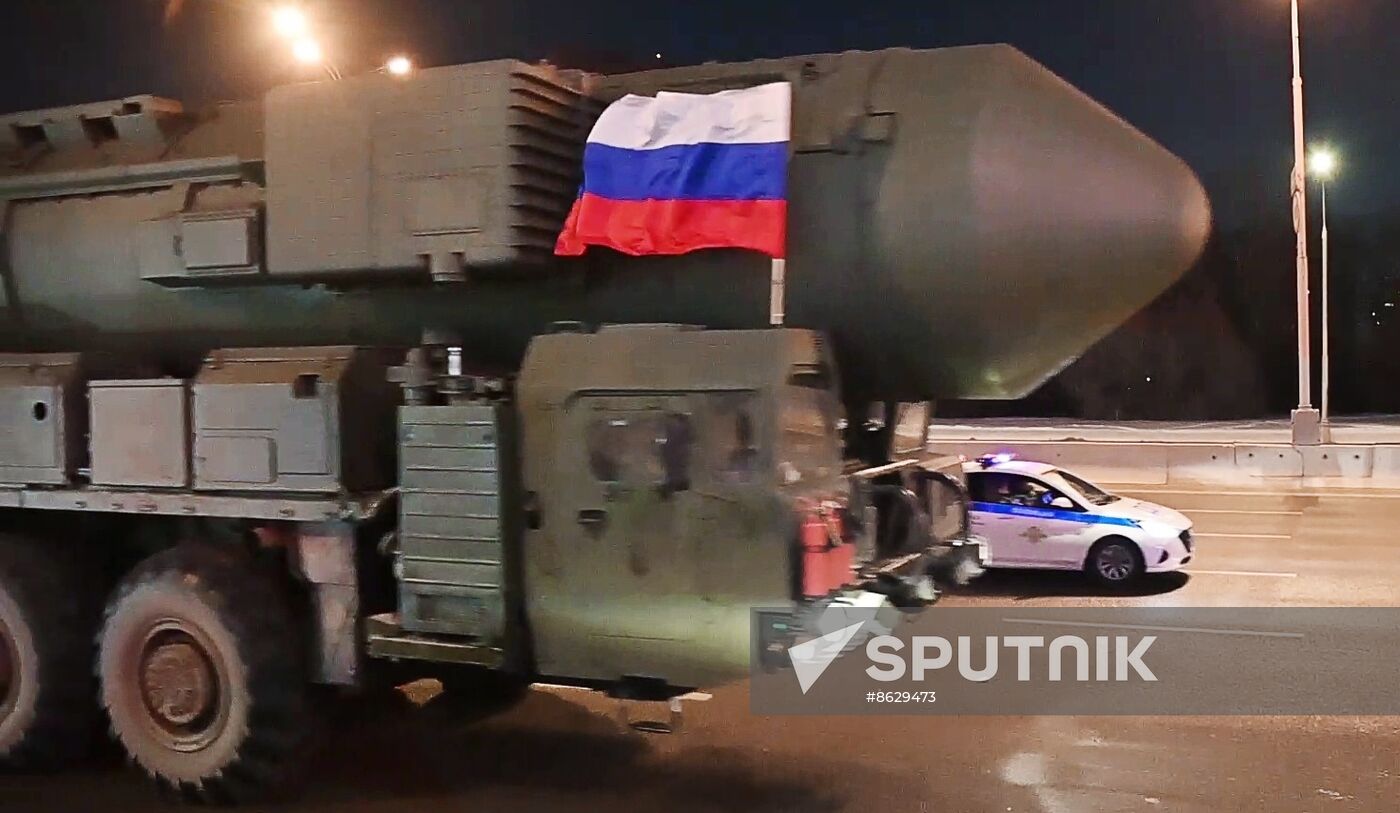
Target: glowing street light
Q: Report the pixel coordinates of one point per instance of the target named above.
(308, 52)
(1322, 164)
(399, 66)
(290, 22)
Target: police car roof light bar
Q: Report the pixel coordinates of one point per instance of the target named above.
(989, 460)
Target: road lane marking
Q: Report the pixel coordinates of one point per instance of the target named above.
(1256, 573)
(1205, 535)
(1240, 511)
(1385, 493)
(1153, 628)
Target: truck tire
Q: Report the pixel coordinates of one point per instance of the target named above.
(203, 674)
(47, 713)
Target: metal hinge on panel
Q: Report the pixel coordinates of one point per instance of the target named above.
(878, 128)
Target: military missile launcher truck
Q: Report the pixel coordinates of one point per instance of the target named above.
(294, 393)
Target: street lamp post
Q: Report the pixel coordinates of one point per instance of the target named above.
(1307, 422)
(1326, 324)
(1323, 165)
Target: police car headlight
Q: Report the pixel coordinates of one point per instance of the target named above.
(1157, 530)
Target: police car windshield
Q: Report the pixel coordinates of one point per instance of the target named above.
(1088, 490)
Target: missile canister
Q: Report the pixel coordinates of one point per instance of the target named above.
(963, 223)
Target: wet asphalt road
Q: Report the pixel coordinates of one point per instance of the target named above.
(568, 751)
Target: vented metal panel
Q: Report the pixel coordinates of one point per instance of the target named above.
(547, 124)
(451, 565)
(463, 168)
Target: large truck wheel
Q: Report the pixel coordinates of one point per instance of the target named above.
(47, 713)
(203, 673)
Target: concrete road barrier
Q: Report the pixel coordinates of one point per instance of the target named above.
(1162, 454)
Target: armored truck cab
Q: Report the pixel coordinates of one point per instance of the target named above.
(671, 468)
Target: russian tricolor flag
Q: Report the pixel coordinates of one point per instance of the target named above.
(681, 172)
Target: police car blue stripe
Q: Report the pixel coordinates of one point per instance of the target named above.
(1050, 513)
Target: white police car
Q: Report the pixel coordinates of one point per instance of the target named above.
(1034, 515)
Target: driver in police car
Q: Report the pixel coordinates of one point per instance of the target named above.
(1017, 491)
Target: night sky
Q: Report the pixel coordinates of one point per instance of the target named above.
(1207, 78)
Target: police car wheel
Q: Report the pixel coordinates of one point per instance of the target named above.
(1115, 562)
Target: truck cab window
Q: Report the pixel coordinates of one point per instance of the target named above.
(647, 449)
(605, 449)
(742, 464)
(734, 454)
(808, 414)
(675, 446)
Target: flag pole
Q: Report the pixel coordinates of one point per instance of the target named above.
(777, 293)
